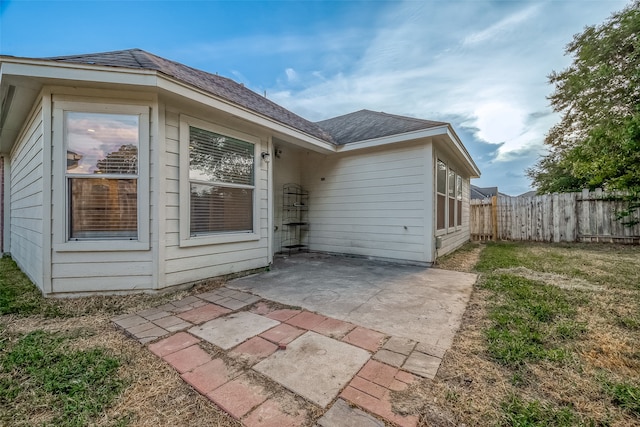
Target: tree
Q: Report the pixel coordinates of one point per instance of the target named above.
(123, 161)
(597, 141)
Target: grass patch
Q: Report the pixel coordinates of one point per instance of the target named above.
(17, 294)
(530, 321)
(625, 395)
(518, 413)
(75, 385)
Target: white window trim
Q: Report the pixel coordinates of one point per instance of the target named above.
(448, 229)
(61, 207)
(186, 240)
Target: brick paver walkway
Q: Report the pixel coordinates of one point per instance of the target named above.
(230, 382)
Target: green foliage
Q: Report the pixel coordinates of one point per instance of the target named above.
(498, 255)
(17, 293)
(531, 321)
(78, 385)
(518, 413)
(597, 142)
(625, 395)
(19, 296)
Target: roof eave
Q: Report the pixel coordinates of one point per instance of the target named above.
(183, 89)
(442, 130)
(393, 139)
(462, 150)
(90, 73)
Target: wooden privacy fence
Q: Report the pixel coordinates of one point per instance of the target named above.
(565, 217)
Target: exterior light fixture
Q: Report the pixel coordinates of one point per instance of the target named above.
(266, 157)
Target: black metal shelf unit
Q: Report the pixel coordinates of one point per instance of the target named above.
(295, 223)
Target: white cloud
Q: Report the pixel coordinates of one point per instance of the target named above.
(437, 60)
(498, 29)
(292, 76)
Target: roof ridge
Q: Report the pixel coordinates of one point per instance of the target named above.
(415, 119)
(214, 84)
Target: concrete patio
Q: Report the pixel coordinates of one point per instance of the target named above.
(316, 334)
(417, 303)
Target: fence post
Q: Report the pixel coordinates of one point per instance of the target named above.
(494, 218)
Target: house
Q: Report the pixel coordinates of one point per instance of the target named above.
(481, 193)
(124, 171)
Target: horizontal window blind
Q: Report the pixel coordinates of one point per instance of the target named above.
(221, 171)
(103, 208)
(220, 209)
(218, 158)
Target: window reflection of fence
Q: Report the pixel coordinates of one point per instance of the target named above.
(104, 208)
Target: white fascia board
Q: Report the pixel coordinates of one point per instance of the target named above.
(150, 78)
(393, 139)
(463, 152)
(187, 91)
(80, 72)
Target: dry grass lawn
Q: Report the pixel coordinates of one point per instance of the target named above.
(584, 370)
(597, 379)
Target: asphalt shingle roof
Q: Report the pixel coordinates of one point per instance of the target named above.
(216, 85)
(365, 124)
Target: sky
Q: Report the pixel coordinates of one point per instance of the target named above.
(481, 65)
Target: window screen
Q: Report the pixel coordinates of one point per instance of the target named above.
(221, 174)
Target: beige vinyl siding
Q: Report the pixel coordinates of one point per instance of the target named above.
(370, 203)
(26, 192)
(102, 270)
(453, 240)
(192, 263)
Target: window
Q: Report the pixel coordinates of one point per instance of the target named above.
(448, 197)
(221, 183)
(459, 200)
(102, 175)
(452, 198)
(441, 190)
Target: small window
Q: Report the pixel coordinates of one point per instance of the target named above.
(459, 200)
(102, 175)
(222, 183)
(452, 198)
(441, 189)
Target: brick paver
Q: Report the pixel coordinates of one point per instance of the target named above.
(206, 378)
(261, 308)
(282, 315)
(204, 313)
(172, 323)
(254, 349)
(422, 364)
(378, 373)
(306, 320)
(431, 350)
(390, 358)
(239, 396)
(271, 414)
(341, 414)
(129, 321)
(282, 334)
(173, 343)
(370, 389)
(365, 338)
(400, 345)
(187, 359)
(334, 328)
(381, 407)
